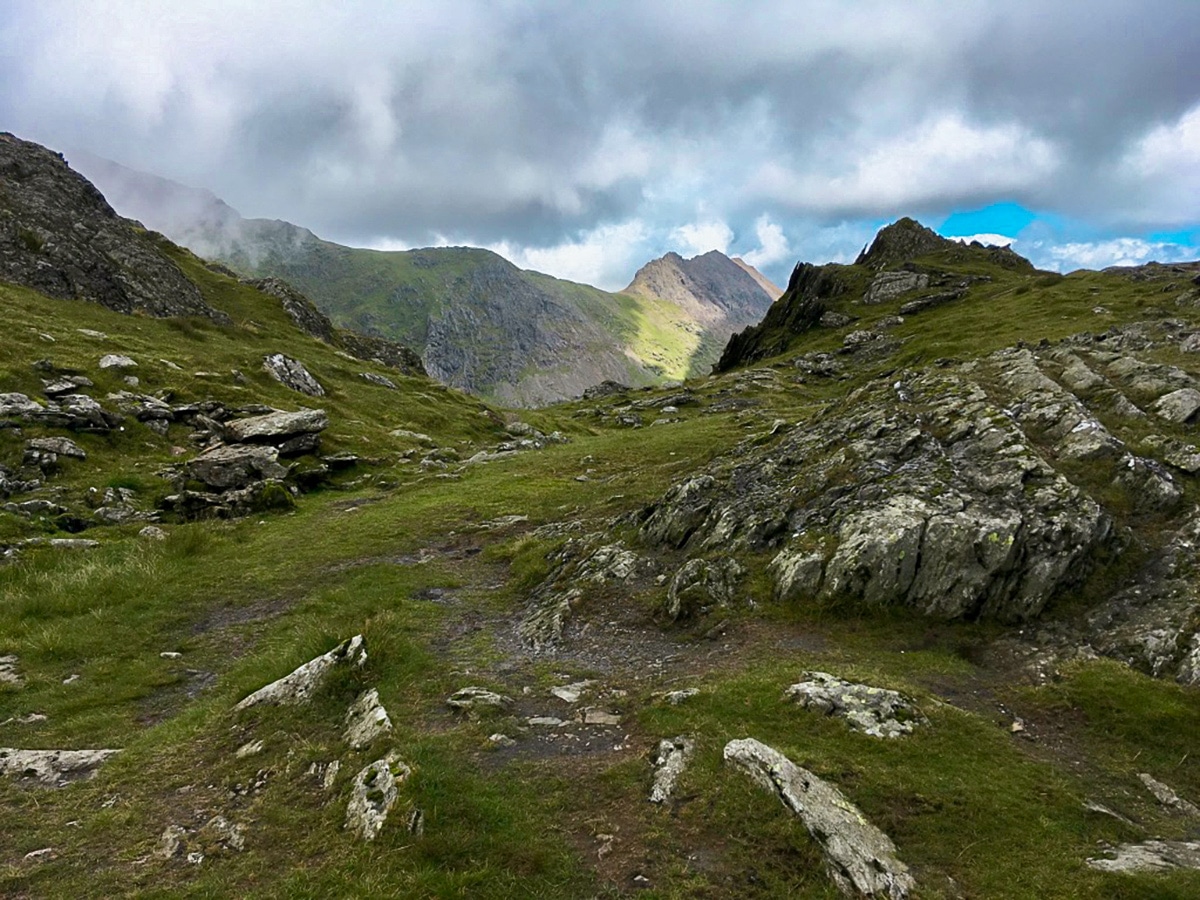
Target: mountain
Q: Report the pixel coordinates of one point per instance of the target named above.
(906, 609)
(480, 323)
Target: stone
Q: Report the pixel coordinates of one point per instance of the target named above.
(701, 584)
(1150, 856)
(9, 673)
(366, 720)
(380, 380)
(859, 857)
(568, 693)
(298, 687)
(52, 767)
(220, 833)
(116, 361)
(889, 285)
(472, 699)
(373, 794)
(670, 761)
(674, 698)
(796, 575)
(43, 855)
(546, 721)
(233, 466)
(873, 711)
(171, 842)
(276, 427)
(152, 533)
(1178, 406)
(292, 374)
(251, 748)
(1167, 797)
(831, 319)
(501, 740)
(600, 717)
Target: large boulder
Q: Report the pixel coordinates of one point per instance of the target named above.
(276, 427)
(232, 466)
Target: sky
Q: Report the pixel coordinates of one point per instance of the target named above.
(584, 139)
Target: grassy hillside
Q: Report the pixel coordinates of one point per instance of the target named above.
(437, 562)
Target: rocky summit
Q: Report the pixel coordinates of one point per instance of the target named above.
(901, 602)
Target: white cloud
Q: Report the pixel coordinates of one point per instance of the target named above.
(696, 238)
(1165, 163)
(996, 240)
(1122, 251)
(605, 257)
(934, 162)
(772, 244)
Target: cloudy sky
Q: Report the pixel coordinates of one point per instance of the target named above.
(583, 139)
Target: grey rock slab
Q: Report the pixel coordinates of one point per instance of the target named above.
(221, 832)
(889, 285)
(674, 698)
(796, 574)
(473, 698)
(366, 720)
(292, 374)
(1167, 797)
(52, 767)
(276, 426)
(1178, 406)
(232, 466)
(298, 687)
(670, 761)
(1150, 856)
(9, 673)
(380, 380)
(877, 712)
(117, 361)
(859, 857)
(373, 794)
(59, 446)
(569, 693)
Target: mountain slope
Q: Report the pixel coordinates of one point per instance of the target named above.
(480, 323)
(575, 640)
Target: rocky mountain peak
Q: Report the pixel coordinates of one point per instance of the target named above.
(903, 240)
(711, 286)
(58, 235)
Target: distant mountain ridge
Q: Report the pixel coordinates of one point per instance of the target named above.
(480, 323)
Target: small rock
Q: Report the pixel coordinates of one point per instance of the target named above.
(1167, 797)
(600, 717)
(8, 670)
(152, 533)
(116, 361)
(52, 767)
(30, 719)
(170, 843)
(545, 722)
(92, 333)
(373, 794)
(469, 699)
(380, 380)
(672, 758)
(253, 748)
(366, 720)
(225, 834)
(195, 857)
(292, 374)
(43, 855)
(501, 740)
(674, 698)
(170, 654)
(874, 711)
(71, 679)
(571, 693)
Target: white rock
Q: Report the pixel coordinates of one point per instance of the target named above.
(53, 767)
(674, 698)
(373, 794)
(1150, 856)
(858, 856)
(116, 361)
(501, 740)
(42, 855)
(366, 720)
(298, 687)
(170, 842)
(1167, 797)
(672, 759)
(877, 712)
(600, 717)
(252, 748)
(8, 670)
(229, 835)
(152, 533)
(472, 698)
(545, 721)
(571, 692)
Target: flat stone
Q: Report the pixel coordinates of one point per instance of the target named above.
(232, 466)
(1167, 797)
(116, 361)
(298, 687)
(1178, 406)
(52, 767)
(674, 698)
(600, 717)
(571, 693)
(292, 374)
(1150, 856)
(251, 748)
(380, 380)
(276, 426)
(874, 711)
(469, 699)
(59, 446)
(859, 857)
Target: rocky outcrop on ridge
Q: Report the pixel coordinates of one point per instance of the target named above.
(59, 236)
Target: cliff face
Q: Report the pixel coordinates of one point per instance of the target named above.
(59, 236)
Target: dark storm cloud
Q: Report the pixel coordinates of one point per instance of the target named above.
(535, 123)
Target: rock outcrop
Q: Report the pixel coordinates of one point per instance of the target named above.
(54, 768)
(59, 236)
(298, 687)
(874, 711)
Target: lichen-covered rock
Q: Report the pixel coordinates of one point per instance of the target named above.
(276, 427)
(298, 687)
(1150, 856)
(797, 574)
(292, 374)
(52, 767)
(670, 761)
(701, 584)
(1178, 406)
(859, 857)
(373, 794)
(889, 285)
(877, 712)
(236, 466)
(366, 720)
(10, 674)
(474, 699)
